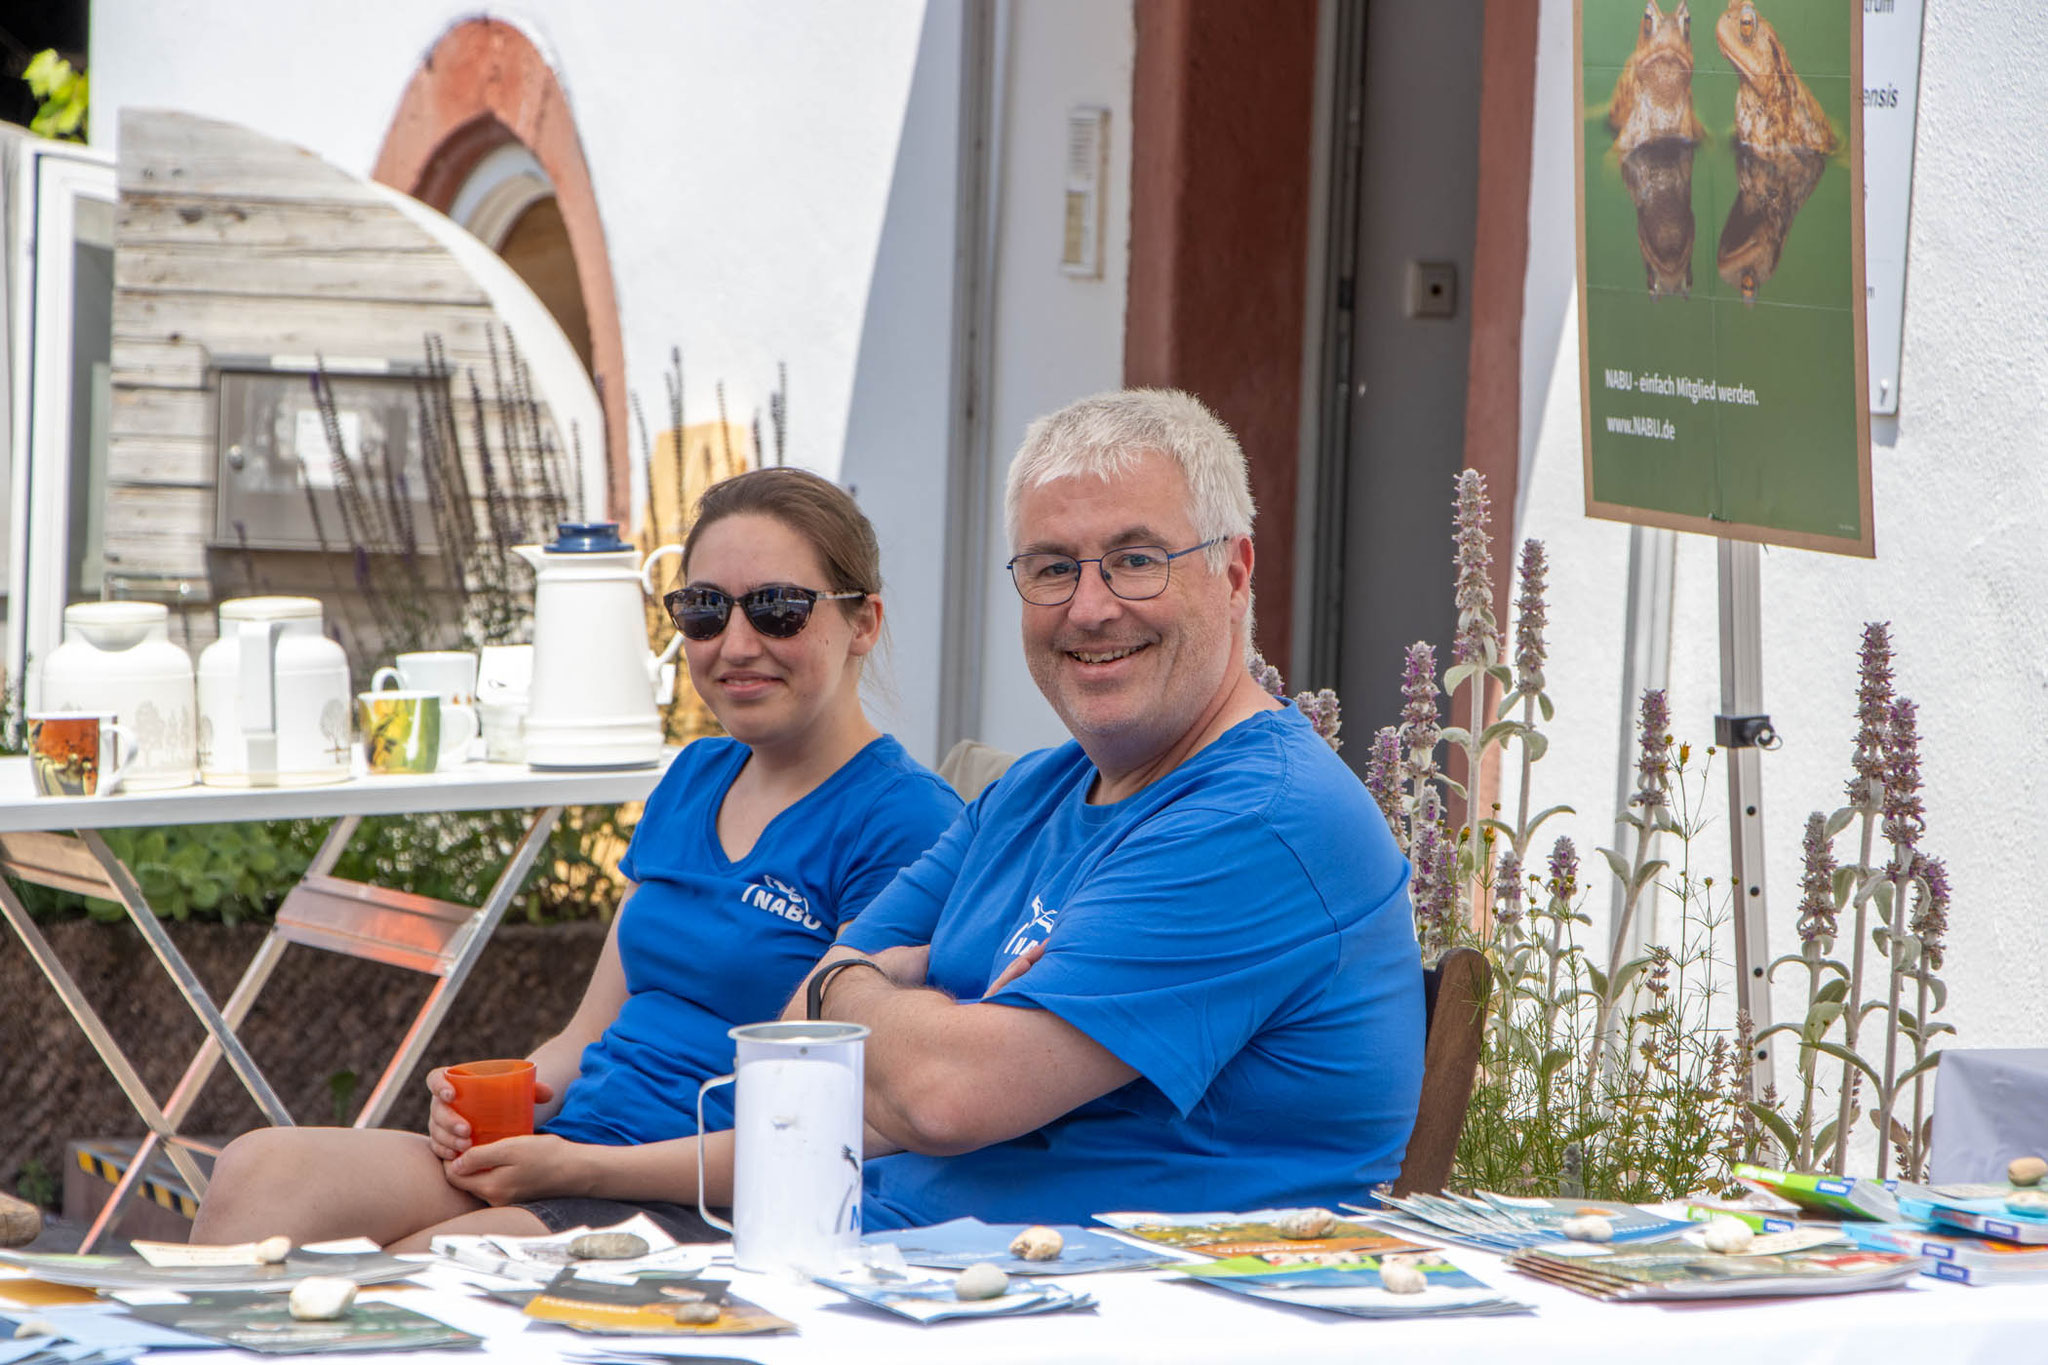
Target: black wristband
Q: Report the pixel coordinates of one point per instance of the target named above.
(814, 994)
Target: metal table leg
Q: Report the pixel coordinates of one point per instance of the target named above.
(95, 1030)
(200, 1070)
(187, 981)
(477, 934)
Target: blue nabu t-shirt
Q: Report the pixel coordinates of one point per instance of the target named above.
(1238, 932)
(708, 943)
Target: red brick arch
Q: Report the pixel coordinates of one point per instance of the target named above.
(483, 85)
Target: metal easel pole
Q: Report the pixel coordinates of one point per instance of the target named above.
(1741, 730)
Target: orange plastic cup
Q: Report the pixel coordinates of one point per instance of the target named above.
(494, 1098)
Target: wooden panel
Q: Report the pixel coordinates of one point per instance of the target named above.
(406, 277)
(164, 151)
(154, 412)
(171, 364)
(228, 325)
(178, 460)
(151, 220)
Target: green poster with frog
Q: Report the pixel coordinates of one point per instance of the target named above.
(1721, 268)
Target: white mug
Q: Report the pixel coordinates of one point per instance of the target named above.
(450, 674)
(796, 1146)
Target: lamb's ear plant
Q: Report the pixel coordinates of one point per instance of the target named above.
(1648, 815)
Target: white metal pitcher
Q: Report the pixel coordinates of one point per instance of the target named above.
(796, 1146)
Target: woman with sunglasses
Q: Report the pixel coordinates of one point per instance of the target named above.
(750, 857)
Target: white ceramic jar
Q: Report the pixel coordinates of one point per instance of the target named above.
(117, 659)
(273, 697)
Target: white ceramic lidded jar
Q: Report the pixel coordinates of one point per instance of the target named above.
(273, 697)
(117, 659)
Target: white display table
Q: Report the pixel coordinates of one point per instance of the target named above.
(323, 911)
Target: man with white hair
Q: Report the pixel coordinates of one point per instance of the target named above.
(1168, 965)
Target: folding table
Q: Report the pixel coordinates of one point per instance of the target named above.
(435, 937)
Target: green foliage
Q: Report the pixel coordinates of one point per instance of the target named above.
(65, 95)
(37, 1183)
(235, 872)
(1664, 1110)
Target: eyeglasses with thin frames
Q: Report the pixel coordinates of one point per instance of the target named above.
(779, 612)
(1133, 572)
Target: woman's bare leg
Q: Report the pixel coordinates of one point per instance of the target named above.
(314, 1184)
(510, 1220)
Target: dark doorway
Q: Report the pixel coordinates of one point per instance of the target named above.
(1403, 194)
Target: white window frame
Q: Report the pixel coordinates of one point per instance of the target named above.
(51, 179)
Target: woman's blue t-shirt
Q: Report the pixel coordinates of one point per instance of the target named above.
(1238, 933)
(709, 943)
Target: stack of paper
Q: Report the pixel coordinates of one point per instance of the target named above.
(1845, 1196)
(1678, 1270)
(133, 1272)
(1354, 1287)
(263, 1323)
(1989, 1217)
(1956, 1256)
(934, 1300)
(537, 1260)
(964, 1241)
(1505, 1223)
(1221, 1235)
(644, 1304)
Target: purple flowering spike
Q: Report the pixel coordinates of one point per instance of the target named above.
(1478, 638)
(1653, 766)
(1507, 886)
(1383, 777)
(1564, 869)
(1419, 728)
(1817, 886)
(1873, 716)
(1531, 616)
(1930, 923)
(1905, 818)
(1268, 676)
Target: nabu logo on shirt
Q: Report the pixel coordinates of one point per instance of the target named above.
(1036, 931)
(780, 898)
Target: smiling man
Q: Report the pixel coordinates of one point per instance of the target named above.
(1171, 964)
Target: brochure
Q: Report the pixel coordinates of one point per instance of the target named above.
(132, 1272)
(962, 1242)
(263, 1322)
(1503, 1223)
(1678, 1270)
(1845, 1196)
(646, 1304)
(1222, 1235)
(1353, 1287)
(1962, 1258)
(537, 1260)
(1990, 1218)
(933, 1300)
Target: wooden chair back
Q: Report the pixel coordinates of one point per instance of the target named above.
(1454, 994)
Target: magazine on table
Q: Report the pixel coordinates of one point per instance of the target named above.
(1830, 1196)
(1679, 1270)
(133, 1272)
(1503, 1223)
(1957, 1256)
(962, 1242)
(537, 1260)
(263, 1322)
(645, 1304)
(1991, 1217)
(1354, 1287)
(933, 1300)
(1221, 1235)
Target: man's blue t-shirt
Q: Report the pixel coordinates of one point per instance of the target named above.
(708, 943)
(1238, 932)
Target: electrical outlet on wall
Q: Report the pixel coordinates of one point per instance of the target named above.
(1432, 289)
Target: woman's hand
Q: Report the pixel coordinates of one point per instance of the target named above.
(448, 1131)
(516, 1170)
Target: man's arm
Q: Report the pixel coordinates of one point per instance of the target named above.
(945, 1077)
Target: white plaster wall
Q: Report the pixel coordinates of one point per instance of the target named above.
(1056, 338)
(1961, 493)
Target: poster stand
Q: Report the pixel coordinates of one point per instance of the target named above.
(1741, 731)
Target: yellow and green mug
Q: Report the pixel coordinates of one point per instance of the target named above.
(401, 730)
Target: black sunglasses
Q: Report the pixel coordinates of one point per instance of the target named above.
(777, 612)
